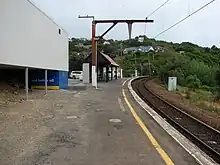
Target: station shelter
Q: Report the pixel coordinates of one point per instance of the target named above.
(107, 68)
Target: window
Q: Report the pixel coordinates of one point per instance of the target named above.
(77, 72)
(60, 31)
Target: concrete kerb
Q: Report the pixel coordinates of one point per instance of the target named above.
(201, 157)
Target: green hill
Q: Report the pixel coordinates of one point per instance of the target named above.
(195, 66)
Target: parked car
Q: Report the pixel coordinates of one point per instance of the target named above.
(76, 75)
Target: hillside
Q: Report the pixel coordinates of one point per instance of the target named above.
(195, 66)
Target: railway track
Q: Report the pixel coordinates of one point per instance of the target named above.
(206, 137)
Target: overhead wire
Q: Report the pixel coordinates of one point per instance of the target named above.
(158, 8)
(201, 8)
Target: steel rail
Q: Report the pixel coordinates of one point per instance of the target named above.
(140, 84)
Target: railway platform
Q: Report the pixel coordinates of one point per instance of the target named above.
(109, 134)
(103, 126)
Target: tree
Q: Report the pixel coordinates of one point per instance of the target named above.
(193, 82)
(218, 84)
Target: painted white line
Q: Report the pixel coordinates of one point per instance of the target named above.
(125, 82)
(201, 157)
(121, 104)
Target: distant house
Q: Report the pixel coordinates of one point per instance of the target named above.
(159, 48)
(130, 49)
(182, 52)
(139, 49)
(146, 48)
(106, 43)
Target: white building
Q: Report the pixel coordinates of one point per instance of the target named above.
(30, 39)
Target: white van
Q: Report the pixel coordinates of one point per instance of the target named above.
(76, 75)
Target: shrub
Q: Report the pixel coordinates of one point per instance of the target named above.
(193, 82)
(218, 85)
(205, 88)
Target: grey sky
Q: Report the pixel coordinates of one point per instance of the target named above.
(202, 28)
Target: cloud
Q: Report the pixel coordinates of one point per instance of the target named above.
(202, 28)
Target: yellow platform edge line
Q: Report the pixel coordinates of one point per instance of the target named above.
(48, 87)
(154, 142)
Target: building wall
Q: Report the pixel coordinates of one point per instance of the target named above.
(30, 38)
(86, 75)
(55, 79)
(63, 79)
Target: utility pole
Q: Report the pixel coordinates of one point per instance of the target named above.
(95, 38)
(94, 50)
(141, 70)
(135, 56)
(149, 68)
(121, 47)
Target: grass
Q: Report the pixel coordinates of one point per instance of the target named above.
(201, 98)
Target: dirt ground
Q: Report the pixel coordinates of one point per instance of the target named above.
(211, 118)
(24, 125)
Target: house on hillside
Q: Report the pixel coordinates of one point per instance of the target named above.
(106, 43)
(138, 49)
(130, 49)
(159, 48)
(181, 52)
(146, 48)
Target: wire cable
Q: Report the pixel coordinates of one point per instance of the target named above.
(145, 27)
(157, 8)
(184, 19)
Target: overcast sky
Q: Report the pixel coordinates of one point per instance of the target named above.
(202, 28)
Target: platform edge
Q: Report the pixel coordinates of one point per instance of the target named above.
(200, 156)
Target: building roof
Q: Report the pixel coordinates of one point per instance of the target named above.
(102, 59)
(146, 48)
(140, 48)
(130, 49)
(110, 59)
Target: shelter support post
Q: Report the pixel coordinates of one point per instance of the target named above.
(94, 56)
(26, 83)
(121, 73)
(94, 45)
(45, 81)
(101, 73)
(116, 73)
(107, 73)
(111, 73)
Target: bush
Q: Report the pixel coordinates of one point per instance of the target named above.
(204, 72)
(193, 82)
(205, 88)
(188, 94)
(218, 85)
